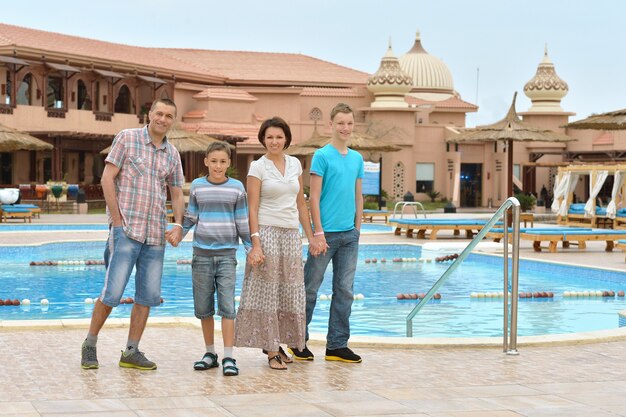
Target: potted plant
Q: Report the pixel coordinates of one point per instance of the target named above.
(433, 195)
(526, 201)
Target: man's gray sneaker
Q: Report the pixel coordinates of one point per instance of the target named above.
(88, 357)
(137, 360)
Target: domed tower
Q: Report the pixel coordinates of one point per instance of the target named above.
(389, 84)
(432, 79)
(546, 89)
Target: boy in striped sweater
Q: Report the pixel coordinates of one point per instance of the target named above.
(218, 208)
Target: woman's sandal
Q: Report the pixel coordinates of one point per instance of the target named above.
(283, 355)
(278, 359)
(209, 360)
(229, 367)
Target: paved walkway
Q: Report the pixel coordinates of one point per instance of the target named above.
(40, 373)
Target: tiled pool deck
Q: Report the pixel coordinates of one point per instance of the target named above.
(40, 373)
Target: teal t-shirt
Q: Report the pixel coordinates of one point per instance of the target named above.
(339, 174)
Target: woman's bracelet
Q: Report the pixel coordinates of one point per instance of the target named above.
(177, 224)
(254, 234)
(318, 233)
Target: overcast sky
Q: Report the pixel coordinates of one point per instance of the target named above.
(503, 39)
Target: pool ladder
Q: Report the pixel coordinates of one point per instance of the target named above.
(510, 338)
(411, 204)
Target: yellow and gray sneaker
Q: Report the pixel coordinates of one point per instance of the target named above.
(136, 360)
(343, 355)
(88, 357)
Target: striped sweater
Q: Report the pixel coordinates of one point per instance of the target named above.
(220, 214)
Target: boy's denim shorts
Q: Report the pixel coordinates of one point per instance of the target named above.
(121, 255)
(211, 274)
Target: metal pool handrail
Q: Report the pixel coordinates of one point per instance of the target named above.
(509, 345)
(411, 204)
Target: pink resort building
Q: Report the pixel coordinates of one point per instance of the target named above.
(76, 94)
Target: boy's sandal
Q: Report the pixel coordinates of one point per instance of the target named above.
(283, 355)
(279, 360)
(229, 367)
(209, 360)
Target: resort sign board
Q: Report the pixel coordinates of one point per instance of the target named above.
(371, 178)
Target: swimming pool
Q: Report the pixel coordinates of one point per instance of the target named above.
(33, 227)
(379, 313)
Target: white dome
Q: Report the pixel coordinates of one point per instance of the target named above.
(432, 79)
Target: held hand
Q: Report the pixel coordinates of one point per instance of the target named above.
(256, 256)
(174, 235)
(318, 245)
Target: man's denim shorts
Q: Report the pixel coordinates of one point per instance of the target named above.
(121, 255)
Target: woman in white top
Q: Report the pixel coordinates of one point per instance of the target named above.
(272, 307)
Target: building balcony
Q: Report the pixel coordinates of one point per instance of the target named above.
(40, 119)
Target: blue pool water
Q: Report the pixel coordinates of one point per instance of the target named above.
(32, 227)
(380, 313)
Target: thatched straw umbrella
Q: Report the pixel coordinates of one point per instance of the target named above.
(510, 129)
(298, 150)
(614, 120)
(188, 144)
(185, 141)
(12, 140)
(358, 142)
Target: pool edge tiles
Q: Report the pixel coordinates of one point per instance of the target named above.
(318, 339)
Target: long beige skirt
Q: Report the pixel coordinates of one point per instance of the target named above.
(272, 309)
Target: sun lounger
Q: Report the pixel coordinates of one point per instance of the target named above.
(498, 233)
(620, 219)
(8, 212)
(527, 218)
(567, 236)
(576, 217)
(370, 215)
(36, 210)
(421, 226)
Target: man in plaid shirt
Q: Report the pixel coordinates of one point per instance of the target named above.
(139, 167)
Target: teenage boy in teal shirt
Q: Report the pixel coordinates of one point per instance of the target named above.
(336, 210)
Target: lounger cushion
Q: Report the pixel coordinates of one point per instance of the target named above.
(439, 222)
(578, 232)
(543, 229)
(579, 208)
(14, 210)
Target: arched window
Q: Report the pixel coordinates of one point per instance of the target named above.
(123, 101)
(25, 90)
(84, 101)
(315, 114)
(55, 92)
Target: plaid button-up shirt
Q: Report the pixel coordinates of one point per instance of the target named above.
(141, 184)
